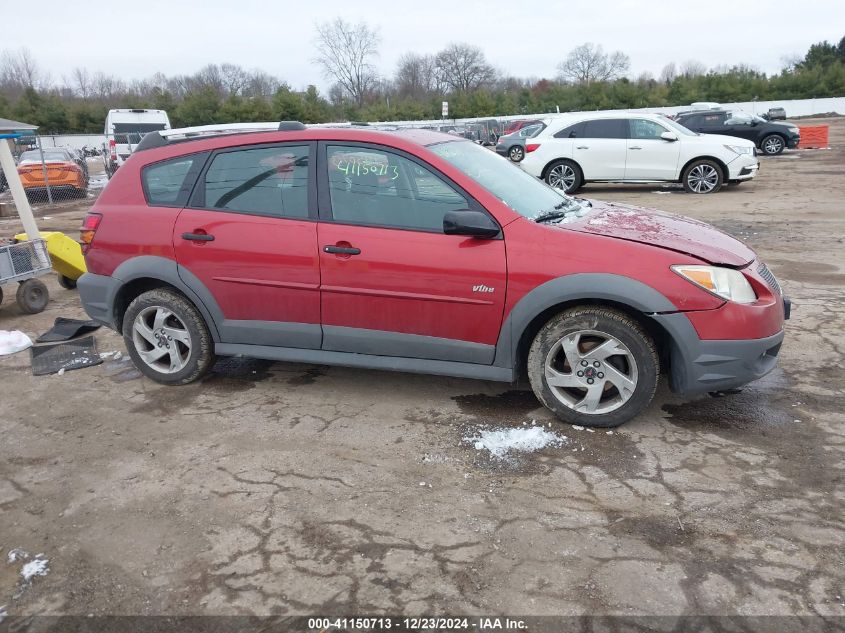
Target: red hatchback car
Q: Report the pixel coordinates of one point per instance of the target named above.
(422, 252)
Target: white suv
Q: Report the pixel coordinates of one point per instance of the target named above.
(629, 147)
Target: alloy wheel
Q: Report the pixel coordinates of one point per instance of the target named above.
(591, 372)
(516, 154)
(773, 145)
(703, 178)
(561, 177)
(161, 339)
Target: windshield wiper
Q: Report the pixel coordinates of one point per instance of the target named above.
(558, 211)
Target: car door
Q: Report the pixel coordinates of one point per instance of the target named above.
(249, 238)
(602, 150)
(392, 283)
(650, 157)
(713, 123)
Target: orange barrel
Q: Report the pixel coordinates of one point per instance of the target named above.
(813, 136)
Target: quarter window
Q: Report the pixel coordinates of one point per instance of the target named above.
(573, 131)
(379, 188)
(264, 181)
(645, 129)
(605, 128)
(167, 183)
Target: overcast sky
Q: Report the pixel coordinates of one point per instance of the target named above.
(525, 38)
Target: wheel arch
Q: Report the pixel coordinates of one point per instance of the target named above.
(560, 159)
(148, 272)
(627, 295)
(722, 165)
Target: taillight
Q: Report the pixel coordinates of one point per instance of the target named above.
(89, 227)
(112, 149)
(530, 147)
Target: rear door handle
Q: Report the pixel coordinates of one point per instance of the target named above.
(635, 147)
(342, 250)
(198, 237)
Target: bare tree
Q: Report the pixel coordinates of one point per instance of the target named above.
(416, 76)
(693, 68)
(669, 72)
(345, 52)
(80, 82)
(588, 63)
(463, 67)
(19, 71)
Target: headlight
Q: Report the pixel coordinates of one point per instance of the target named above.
(727, 283)
(793, 129)
(740, 149)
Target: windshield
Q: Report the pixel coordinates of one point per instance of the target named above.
(522, 192)
(49, 156)
(677, 127)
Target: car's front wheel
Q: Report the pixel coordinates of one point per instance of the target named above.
(516, 153)
(564, 175)
(772, 145)
(167, 338)
(702, 176)
(593, 366)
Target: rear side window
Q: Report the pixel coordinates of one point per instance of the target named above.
(711, 120)
(573, 131)
(606, 128)
(265, 181)
(169, 183)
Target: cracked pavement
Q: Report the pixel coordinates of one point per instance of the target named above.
(291, 489)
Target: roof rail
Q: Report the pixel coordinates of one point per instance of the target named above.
(165, 137)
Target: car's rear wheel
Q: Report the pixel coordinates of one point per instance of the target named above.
(772, 145)
(167, 338)
(703, 176)
(516, 153)
(564, 175)
(593, 366)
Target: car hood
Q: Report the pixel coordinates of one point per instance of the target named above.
(665, 230)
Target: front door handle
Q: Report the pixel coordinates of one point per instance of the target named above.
(198, 237)
(342, 250)
(583, 147)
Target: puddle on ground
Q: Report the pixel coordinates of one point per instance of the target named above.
(509, 407)
(307, 377)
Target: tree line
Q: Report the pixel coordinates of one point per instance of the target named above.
(588, 78)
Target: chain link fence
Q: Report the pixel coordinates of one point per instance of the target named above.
(56, 170)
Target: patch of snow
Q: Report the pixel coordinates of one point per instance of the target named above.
(16, 555)
(577, 428)
(501, 442)
(598, 222)
(116, 355)
(36, 567)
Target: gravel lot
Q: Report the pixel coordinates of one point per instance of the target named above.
(288, 489)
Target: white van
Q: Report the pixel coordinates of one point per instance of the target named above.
(125, 129)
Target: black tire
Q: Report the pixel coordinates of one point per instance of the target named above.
(552, 178)
(772, 145)
(516, 153)
(32, 296)
(67, 283)
(1, 295)
(200, 355)
(697, 177)
(610, 323)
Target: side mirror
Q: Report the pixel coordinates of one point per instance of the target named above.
(669, 136)
(470, 223)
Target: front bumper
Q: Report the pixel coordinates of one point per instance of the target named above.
(700, 366)
(743, 167)
(793, 141)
